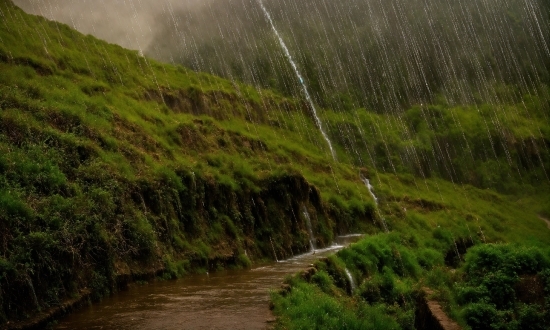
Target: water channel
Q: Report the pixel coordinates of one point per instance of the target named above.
(232, 299)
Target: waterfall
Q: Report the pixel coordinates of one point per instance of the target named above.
(351, 281)
(310, 231)
(371, 191)
(35, 298)
(300, 78)
(273, 247)
(370, 187)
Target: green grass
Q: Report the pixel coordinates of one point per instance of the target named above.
(115, 163)
(492, 289)
(309, 307)
(434, 225)
(112, 162)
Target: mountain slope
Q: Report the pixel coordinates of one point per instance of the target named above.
(115, 167)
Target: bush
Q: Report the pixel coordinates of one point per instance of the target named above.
(168, 177)
(488, 295)
(531, 317)
(307, 307)
(429, 258)
(480, 316)
(12, 206)
(511, 259)
(323, 281)
(370, 290)
(141, 235)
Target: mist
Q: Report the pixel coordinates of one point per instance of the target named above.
(133, 24)
(375, 54)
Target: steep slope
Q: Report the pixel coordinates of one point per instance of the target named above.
(116, 167)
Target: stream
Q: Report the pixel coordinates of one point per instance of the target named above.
(231, 299)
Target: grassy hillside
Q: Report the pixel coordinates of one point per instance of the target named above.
(382, 55)
(115, 167)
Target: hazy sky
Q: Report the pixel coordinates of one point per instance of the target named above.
(130, 23)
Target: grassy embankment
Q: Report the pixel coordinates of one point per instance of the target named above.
(502, 281)
(448, 177)
(116, 167)
(463, 176)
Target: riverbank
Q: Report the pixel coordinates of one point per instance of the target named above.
(235, 299)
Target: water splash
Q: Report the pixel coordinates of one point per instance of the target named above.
(352, 284)
(310, 231)
(300, 78)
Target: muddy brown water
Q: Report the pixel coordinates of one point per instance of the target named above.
(233, 299)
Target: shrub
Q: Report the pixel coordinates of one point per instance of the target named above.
(99, 285)
(141, 235)
(12, 206)
(480, 316)
(323, 281)
(429, 258)
(488, 295)
(530, 317)
(170, 178)
(370, 290)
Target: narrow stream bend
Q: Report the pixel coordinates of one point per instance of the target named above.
(233, 299)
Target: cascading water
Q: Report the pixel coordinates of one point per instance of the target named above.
(371, 191)
(300, 78)
(310, 231)
(273, 247)
(370, 188)
(352, 284)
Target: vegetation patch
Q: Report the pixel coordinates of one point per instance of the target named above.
(115, 167)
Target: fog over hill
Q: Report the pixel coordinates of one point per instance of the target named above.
(383, 55)
(131, 24)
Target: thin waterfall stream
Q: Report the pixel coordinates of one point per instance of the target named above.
(370, 188)
(309, 229)
(371, 191)
(352, 284)
(300, 78)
